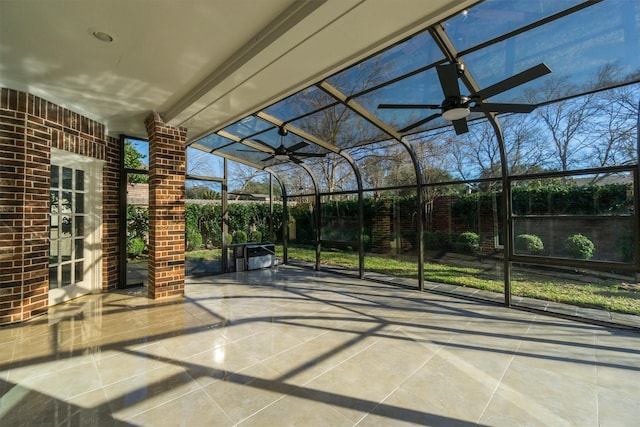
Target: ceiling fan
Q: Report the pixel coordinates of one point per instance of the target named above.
(457, 107)
(285, 154)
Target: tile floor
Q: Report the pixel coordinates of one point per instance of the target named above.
(290, 346)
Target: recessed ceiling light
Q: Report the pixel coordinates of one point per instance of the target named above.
(102, 36)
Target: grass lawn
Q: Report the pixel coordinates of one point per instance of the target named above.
(209, 254)
(612, 296)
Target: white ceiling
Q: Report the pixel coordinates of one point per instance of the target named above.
(202, 64)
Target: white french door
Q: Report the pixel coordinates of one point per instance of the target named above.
(75, 248)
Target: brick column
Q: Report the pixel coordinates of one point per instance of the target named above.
(167, 165)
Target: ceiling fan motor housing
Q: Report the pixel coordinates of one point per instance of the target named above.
(455, 108)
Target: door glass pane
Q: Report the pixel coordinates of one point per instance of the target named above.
(79, 248)
(65, 203)
(65, 226)
(54, 226)
(53, 278)
(65, 249)
(79, 229)
(79, 203)
(66, 275)
(79, 180)
(67, 178)
(55, 176)
(79, 271)
(53, 252)
(54, 201)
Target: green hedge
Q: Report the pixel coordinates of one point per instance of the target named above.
(206, 219)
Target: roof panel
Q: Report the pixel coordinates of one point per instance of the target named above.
(422, 88)
(577, 48)
(243, 152)
(494, 18)
(340, 126)
(417, 52)
(248, 126)
(214, 141)
(299, 104)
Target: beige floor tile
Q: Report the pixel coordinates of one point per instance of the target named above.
(243, 394)
(364, 380)
(291, 346)
(308, 411)
(223, 360)
(149, 390)
(64, 383)
(451, 386)
(528, 394)
(404, 409)
(194, 409)
(618, 407)
(130, 363)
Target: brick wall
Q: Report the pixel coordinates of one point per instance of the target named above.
(29, 126)
(167, 159)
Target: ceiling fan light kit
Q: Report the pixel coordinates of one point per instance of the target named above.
(455, 108)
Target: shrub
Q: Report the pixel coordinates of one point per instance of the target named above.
(440, 240)
(255, 236)
(579, 246)
(194, 239)
(469, 242)
(135, 247)
(529, 243)
(239, 236)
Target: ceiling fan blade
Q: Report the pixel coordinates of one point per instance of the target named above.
(513, 81)
(448, 75)
(460, 126)
(491, 107)
(419, 123)
(267, 158)
(296, 147)
(310, 155)
(407, 106)
(294, 159)
(261, 142)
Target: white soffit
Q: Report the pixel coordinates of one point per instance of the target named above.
(337, 34)
(200, 63)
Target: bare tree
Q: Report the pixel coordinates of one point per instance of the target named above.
(563, 122)
(203, 164)
(594, 129)
(613, 131)
(240, 176)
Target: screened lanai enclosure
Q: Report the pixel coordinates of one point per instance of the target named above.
(493, 155)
